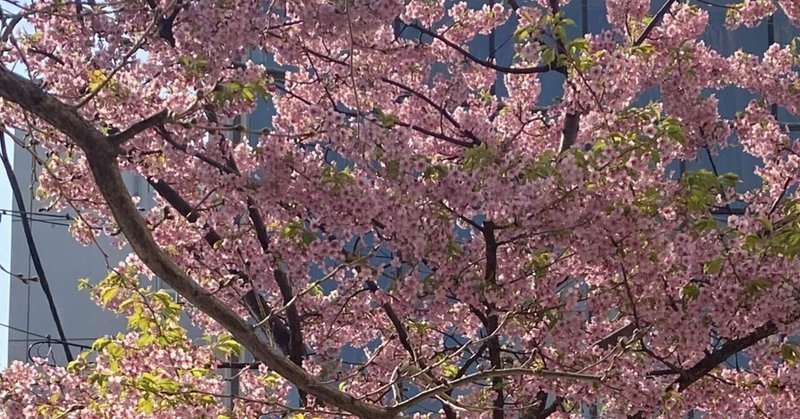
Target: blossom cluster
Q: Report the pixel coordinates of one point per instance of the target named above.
(416, 204)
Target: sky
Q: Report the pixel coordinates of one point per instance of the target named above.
(5, 233)
(5, 261)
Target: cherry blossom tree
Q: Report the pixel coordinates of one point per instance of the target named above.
(415, 231)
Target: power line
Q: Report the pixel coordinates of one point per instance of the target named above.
(17, 329)
(37, 263)
(53, 223)
(17, 215)
(14, 212)
(35, 345)
(46, 340)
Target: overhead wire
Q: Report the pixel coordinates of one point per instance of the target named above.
(17, 329)
(52, 223)
(17, 215)
(47, 340)
(35, 214)
(34, 253)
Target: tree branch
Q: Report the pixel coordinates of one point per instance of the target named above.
(254, 302)
(162, 131)
(438, 108)
(503, 372)
(297, 349)
(490, 322)
(157, 118)
(101, 157)
(656, 20)
(485, 63)
(728, 349)
(569, 132)
(187, 211)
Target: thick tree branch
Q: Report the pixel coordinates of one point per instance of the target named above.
(255, 303)
(157, 118)
(491, 321)
(727, 350)
(572, 120)
(183, 207)
(570, 131)
(101, 157)
(296, 347)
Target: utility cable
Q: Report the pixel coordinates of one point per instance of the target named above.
(28, 332)
(36, 214)
(37, 263)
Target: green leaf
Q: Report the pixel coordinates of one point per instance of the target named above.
(453, 248)
(316, 290)
(690, 292)
(477, 157)
(108, 294)
(599, 145)
(392, 169)
(386, 120)
(730, 180)
(308, 237)
(194, 67)
(74, 366)
(705, 224)
(96, 78)
(449, 369)
(789, 353)
(548, 55)
(775, 386)
(766, 224)
(644, 50)
(114, 350)
(145, 339)
(145, 404)
(228, 345)
(84, 283)
(578, 45)
(756, 287)
(248, 94)
(420, 327)
(713, 267)
(522, 35)
(435, 172)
